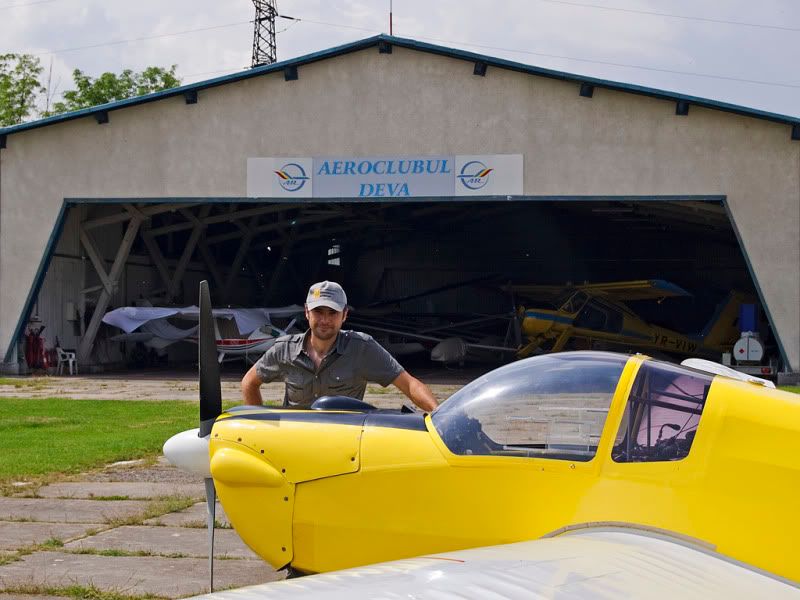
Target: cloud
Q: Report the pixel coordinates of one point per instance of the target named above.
(513, 29)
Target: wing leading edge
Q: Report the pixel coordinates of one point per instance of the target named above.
(642, 289)
(585, 564)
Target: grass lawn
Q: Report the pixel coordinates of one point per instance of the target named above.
(39, 437)
(791, 388)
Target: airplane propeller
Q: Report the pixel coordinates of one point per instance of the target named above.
(210, 392)
(210, 405)
(188, 450)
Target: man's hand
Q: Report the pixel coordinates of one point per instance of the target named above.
(419, 393)
(251, 388)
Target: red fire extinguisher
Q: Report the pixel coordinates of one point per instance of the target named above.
(34, 348)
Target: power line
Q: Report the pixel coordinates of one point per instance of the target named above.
(340, 25)
(614, 64)
(27, 4)
(441, 40)
(231, 70)
(564, 57)
(140, 39)
(673, 16)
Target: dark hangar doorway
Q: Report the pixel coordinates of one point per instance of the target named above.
(422, 264)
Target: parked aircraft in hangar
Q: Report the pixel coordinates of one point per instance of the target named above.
(552, 318)
(590, 474)
(239, 332)
(597, 313)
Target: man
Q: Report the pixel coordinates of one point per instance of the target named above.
(326, 361)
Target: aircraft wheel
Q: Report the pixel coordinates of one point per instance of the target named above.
(292, 573)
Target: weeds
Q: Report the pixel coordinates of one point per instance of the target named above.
(115, 552)
(155, 508)
(78, 592)
(25, 382)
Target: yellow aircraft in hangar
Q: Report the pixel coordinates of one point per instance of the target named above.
(596, 313)
(686, 479)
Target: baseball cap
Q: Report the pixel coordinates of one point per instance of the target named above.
(326, 293)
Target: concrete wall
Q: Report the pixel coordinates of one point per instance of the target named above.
(407, 102)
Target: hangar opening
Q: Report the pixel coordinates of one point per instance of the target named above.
(442, 280)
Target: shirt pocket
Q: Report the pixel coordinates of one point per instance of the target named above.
(341, 378)
(299, 388)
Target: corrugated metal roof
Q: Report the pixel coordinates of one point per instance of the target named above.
(413, 45)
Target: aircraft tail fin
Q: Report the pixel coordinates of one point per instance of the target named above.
(722, 330)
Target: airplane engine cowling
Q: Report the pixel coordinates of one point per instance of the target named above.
(259, 456)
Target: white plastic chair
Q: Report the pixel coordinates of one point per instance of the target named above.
(66, 356)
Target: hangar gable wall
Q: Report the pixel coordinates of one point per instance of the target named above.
(410, 102)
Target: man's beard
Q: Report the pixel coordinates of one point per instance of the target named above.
(325, 335)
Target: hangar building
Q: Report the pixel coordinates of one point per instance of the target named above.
(407, 171)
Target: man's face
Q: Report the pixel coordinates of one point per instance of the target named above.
(325, 322)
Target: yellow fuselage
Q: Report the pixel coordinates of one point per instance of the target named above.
(328, 493)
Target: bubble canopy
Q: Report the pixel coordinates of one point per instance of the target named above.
(551, 406)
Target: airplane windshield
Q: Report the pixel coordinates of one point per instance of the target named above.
(572, 302)
(551, 406)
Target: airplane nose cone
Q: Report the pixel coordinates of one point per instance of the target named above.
(189, 452)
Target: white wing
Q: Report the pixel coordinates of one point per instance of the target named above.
(710, 366)
(130, 318)
(584, 564)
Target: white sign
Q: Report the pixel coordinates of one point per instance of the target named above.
(489, 175)
(280, 177)
(385, 176)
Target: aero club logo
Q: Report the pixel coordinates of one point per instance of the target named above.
(474, 175)
(291, 177)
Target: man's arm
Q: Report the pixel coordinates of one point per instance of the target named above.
(419, 393)
(251, 387)
(267, 369)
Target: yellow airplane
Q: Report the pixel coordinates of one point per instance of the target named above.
(535, 450)
(597, 313)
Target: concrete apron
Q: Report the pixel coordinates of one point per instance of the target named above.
(74, 538)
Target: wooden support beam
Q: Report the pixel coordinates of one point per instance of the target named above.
(316, 235)
(188, 250)
(190, 216)
(223, 218)
(205, 252)
(275, 226)
(87, 341)
(283, 260)
(134, 212)
(241, 253)
(157, 257)
(121, 217)
(241, 227)
(256, 271)
(98, 263)
(92, 289)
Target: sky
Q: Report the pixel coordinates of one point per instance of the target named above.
(736, 51)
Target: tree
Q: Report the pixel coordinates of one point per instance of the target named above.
(110, 87)
(19, 87)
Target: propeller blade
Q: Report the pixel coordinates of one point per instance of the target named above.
(210, 393)
(211, 505)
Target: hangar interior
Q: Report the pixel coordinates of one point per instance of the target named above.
(423, 265)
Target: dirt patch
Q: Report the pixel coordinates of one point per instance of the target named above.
(183, 386)
(140, 471)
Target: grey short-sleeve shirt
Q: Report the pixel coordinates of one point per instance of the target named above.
(355, 359)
